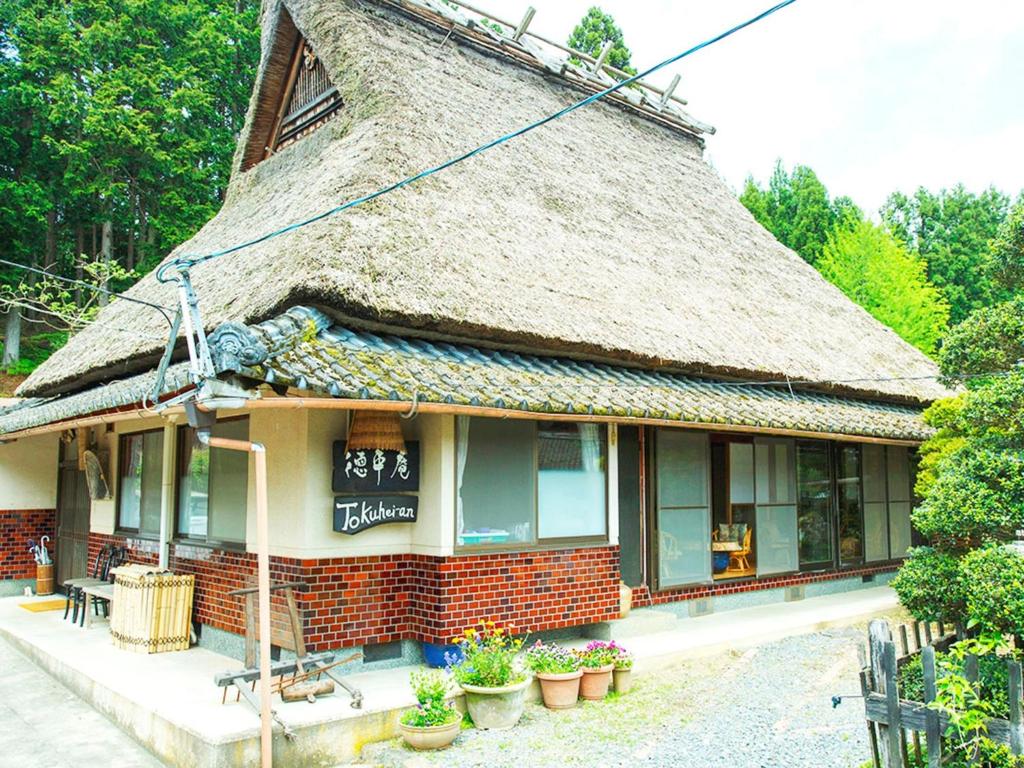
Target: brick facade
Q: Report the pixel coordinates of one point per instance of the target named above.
(352, 601)
(17, 526)
(643, 597)
(359, 600)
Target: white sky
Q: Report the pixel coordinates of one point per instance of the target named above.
(874, 95)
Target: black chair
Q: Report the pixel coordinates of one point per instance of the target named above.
(73, 587)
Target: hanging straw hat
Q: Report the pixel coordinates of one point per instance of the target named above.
(375, 429)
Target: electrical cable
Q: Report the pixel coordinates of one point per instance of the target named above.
(89, 286)
(185, 262)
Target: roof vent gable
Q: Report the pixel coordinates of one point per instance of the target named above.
(295, 98)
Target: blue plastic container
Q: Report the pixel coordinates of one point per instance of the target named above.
(720, 561)
(434, 654)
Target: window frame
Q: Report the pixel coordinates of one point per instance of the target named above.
(206, 541)
(119, 529)
(538, 544)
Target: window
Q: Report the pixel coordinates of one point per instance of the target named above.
(140, 475)
(775, 526)
(520, 482)
(213, 486)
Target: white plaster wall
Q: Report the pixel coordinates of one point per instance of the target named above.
(28, 472)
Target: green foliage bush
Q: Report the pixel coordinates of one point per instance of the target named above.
(993, 677)
(993, 580)
(929, 586)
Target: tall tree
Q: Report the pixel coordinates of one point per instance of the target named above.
(867, 264)
(596, 29)
(795, 207)
(952, 230)
(118, 120)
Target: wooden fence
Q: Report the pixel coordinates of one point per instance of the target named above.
(895, 724)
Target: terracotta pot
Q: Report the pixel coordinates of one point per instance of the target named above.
(496, 709)
(623, 680)
(431, 736)
(595, 682)
(560, 690)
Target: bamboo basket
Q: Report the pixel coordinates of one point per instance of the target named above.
(375, 429)
(152, 609)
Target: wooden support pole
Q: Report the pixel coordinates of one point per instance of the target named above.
(524, 24)
(601, 57)
(668, 92)
(880, 637)
(896, 744)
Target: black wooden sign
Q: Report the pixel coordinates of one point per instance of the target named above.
(369, 470)
(353, 514)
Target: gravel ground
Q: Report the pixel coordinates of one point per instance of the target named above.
(767, 707)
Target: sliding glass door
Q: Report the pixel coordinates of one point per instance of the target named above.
(683, 507)
(814, 505)
(849, 505)
(775, 512)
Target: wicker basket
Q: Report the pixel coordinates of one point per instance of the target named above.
(375, 429)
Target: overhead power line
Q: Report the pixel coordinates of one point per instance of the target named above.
(186, 261)
(90, 287)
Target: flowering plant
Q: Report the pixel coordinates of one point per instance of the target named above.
(432, 691)
(598, 653)
(551, 659)
(488, 657)
(623, 658)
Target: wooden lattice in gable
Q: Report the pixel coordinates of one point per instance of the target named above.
(311, 100)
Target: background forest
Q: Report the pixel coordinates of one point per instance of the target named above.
(118, 121)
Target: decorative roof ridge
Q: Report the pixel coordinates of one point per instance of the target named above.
(570, 65)
(234, 346)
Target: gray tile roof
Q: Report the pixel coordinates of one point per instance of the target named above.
(304, 350)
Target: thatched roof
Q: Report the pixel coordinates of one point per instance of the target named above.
(304, 351)
(604, 236)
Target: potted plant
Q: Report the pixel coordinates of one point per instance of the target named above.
(490, 674)
(598, 661)
(433, 723)
(558, 670)
(623, 672)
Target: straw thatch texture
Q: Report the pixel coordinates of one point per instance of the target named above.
(603, 235)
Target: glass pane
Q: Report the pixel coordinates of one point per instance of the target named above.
(776, 532)
(496, 481)
(130, 503)
(228, 485)
(775, 470)
(900, 529)
(898, 473)
(570, 480)
(193, 484)
(684, 514)
(814, 503)
(873, 457)
(684, 552)
(876, 531)
(741, 473)
(682, 468)
(630, 510)
(848, 504)
(152, 479)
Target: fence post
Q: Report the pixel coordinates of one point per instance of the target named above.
(883, 671)
(932, 734)
(1014, 693)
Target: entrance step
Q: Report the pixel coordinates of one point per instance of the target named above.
(641, 621)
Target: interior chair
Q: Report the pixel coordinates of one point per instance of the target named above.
(738, 560)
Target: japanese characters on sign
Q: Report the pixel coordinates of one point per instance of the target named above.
(353, 514)
(375, 470)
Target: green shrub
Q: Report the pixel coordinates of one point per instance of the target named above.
(994, 586)
(930, 586)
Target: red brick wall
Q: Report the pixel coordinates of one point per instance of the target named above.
(643, 597)
(17, 526)
(359, 600)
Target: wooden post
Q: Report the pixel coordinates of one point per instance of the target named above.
(928, 633)
(865, 691)
(880, 639)
(1014, 695)
(904, 642)
(932, 734)
(524, 24)
(917, 634)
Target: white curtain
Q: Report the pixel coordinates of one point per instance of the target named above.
(590, 447)
(461, 454)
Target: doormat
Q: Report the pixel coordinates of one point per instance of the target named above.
(44, 605)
